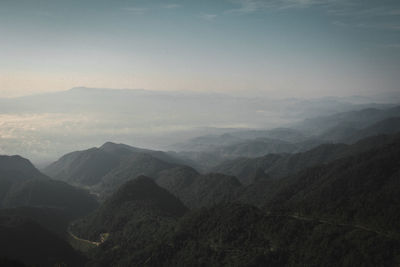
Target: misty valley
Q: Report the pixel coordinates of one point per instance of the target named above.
(316, 191)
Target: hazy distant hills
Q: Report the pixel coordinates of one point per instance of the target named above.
(284, 134)
(105, 168)
(42, 127)
(281, 165)
(257, 147)
(356, 119)
(125, 100)
(206, 143)
(206, 160)
(209, 151)
(23, 185)
(386, 126)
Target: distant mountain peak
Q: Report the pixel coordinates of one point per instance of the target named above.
(91, 89)
(112, 147)
(81, 89)
(109, 144)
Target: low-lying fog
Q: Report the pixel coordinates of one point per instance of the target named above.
(43, 127)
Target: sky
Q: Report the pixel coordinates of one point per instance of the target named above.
(285, 48)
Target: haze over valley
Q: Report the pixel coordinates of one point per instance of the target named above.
(42, 127)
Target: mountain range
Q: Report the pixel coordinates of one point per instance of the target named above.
(209, 151)
(341, 213)
(279, 197)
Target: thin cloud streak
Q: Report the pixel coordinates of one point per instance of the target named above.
(334, 7)
(390, 46)
(358, 11)
(250, 6)
(356, 16)
(347, 13)
(208, 17)
(369, 25)
(171, 6)
(135, 10)
(142, 10)
(378, 26)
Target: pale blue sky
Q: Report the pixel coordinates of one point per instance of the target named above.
(277, 47)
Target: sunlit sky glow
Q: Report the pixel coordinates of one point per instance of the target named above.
(277, 47)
